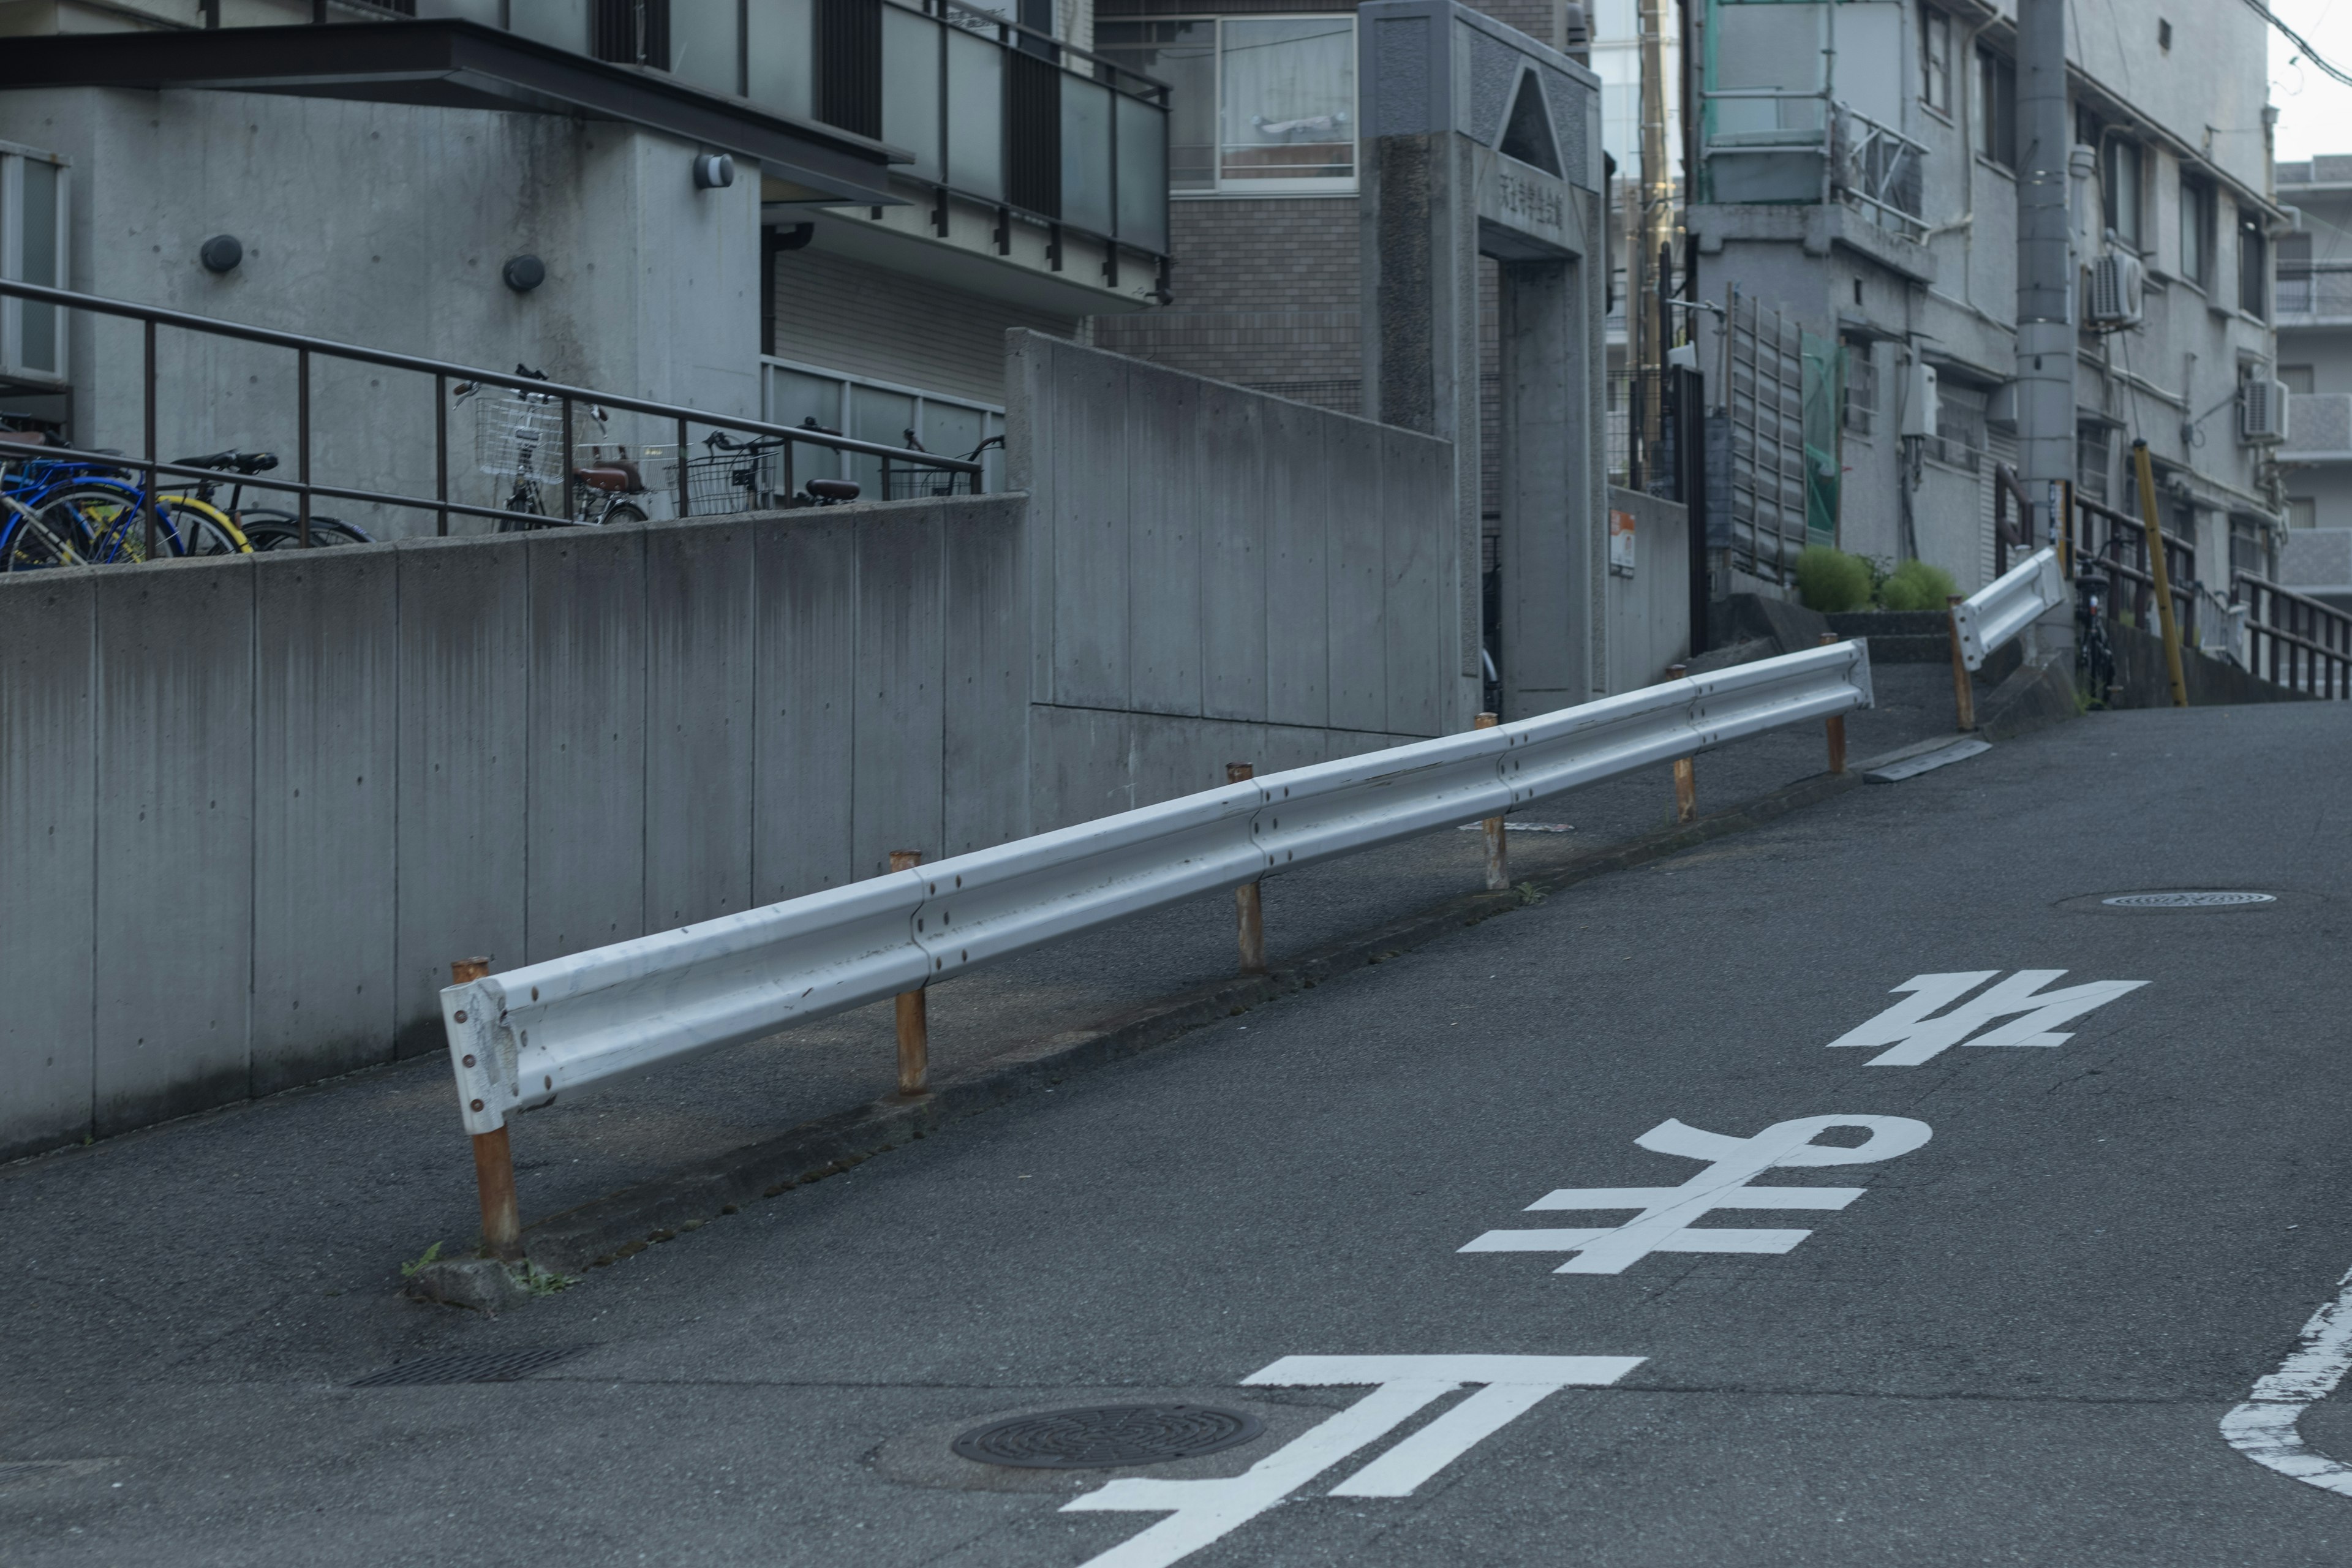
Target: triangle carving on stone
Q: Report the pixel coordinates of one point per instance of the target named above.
(1527, 134)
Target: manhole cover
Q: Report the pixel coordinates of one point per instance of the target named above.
(470, 1366)
(1109, 1435)
(2187, 900)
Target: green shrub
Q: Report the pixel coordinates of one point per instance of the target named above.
(1915, 586)
(1830, 580)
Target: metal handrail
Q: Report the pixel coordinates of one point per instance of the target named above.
(2327, 671)
(2183, 582)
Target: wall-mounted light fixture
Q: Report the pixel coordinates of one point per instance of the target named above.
(713, 171)
(221, 253)
(524, 273)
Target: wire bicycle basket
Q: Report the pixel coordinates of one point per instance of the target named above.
(517, 433)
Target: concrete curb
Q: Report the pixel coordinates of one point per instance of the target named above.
(626, 1221)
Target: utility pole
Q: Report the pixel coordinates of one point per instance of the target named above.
(2045, 260)
(1645, 333)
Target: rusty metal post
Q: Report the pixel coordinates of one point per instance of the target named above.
(1836, 724)
(914, 1011)
(1498, 863)
(684, 502)
(1249, 914)
(441, 449)
(1964, 694)
(568, 462)
(493, 1159)
(1686, 769)
(2160, 572)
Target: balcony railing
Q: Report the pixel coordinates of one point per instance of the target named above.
(2320, 289)
(991, 111)
(1773, 146)
(1876, 171)
(2318, 428)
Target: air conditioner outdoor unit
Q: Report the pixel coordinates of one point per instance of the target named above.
(1919, 399)
(2115, 280)
(2261, 411)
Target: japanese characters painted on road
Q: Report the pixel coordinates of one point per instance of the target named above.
(1200, 1511)
(1664, 1224)
(1913, 1038)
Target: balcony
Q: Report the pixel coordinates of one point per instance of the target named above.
(1770, 147)
(2317, 294)
(2318, 428)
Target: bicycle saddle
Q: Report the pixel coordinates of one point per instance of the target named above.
(833, 489)
(616, 476)
(234, 460)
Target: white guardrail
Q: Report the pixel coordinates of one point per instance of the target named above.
(2007, 605)
(521, 1039)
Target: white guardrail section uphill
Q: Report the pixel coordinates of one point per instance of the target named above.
(2007, 605)
(521, 1039)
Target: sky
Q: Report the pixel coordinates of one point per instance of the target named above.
(2314, 113)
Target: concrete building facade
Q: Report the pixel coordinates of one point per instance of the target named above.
(1856, 170)
(2315, 352)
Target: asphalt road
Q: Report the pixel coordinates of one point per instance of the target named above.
(2066, 1263)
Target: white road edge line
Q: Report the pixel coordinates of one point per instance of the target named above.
(2263, 1428)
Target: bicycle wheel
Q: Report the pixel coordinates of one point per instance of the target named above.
(623, 512)
(184, 526)
(278, 531)
(101, 519)
(203, 529)
(26, 543)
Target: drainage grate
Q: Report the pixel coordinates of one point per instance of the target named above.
(470, 1366)
(1107, 1435)
(2188, 900)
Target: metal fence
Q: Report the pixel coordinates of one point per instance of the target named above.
(2107, 541)
(2294, 641)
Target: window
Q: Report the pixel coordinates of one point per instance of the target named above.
(2302, 512)
(33, 236)
(2121, 190)
(1861, 388)
(1996, 108)
(1959, 426)
(2298, 379)
(2249, 547)
(1936, 58)
(2197, 230)
(2091, 444)
(1264, 105)
(2253, 263)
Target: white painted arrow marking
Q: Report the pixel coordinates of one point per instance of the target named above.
(1664, 1223)
(1200, 1511)
(1915, 1038)
(2263, 1428)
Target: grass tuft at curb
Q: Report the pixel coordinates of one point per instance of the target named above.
(622, 1224)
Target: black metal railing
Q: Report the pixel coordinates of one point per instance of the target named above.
(959, 476)
(2107, 541)
(2294, 641)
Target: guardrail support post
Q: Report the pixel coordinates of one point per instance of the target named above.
(1498, 861)
(1834, 725)
(1249, 914)
(493, 1159)
(1685, 770)
(1964, 693)
(913, 1010)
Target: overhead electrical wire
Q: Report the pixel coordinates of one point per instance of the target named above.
(2267, 15)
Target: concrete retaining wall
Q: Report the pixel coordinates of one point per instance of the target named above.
(1649, 610)
(1219, 575)
(251, 808)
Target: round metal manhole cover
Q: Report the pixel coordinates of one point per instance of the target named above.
(2187, 900)
(1109, 1435)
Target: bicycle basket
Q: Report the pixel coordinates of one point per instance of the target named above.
(915, 484)
(726, 482)
(517, 433)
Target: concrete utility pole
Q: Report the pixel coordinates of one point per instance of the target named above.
(1645, 331)
(2045, 261)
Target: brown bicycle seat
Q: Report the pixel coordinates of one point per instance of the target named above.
(833, 489)
(610, 477)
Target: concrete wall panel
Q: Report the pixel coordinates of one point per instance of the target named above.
(1358, 580)
(464, 639)
(1169, 509)
(806, 687)
(698, 589)
(47, 823)
(1418, 597)
(326, 728)
(900, 800)
(1298, 567)
(587, 737)
(174, 841)
(1089, 528)
(1240, 436)
(985, 736)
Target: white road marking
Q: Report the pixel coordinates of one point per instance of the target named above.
(1664, 1224)
(2263, 1427)
(1200, 1511)
(1915, 1038)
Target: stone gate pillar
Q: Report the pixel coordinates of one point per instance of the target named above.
(1477, 140)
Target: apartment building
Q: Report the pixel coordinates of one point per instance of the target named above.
(2314, 362)
(1855, 171)
(825, 210)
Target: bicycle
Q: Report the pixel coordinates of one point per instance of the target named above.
(268, 528)
(2094, 655)
(514, 429)
(732, 479)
